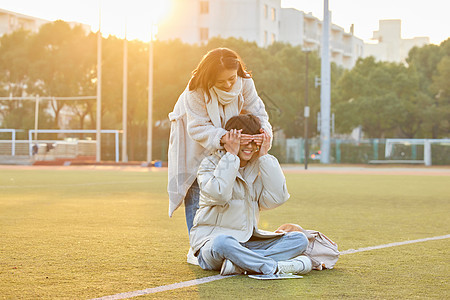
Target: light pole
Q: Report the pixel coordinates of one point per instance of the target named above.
(125, 97)
(306, 112)
(325, 84)
(150, 97)
(99, 87)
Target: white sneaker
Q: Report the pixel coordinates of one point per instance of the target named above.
(191, 259)
(228, 268)
(298, 265)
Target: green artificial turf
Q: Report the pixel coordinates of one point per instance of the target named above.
(79, 234)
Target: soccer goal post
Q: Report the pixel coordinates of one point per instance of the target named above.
(38, 99)
(426, 143)
(32, 141)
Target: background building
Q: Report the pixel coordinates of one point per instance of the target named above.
(388, 44)
(197, 21)
(263, 22)
(303, 29)
(12, 21)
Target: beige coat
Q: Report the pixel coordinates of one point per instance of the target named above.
(194, 134)
(230, 202)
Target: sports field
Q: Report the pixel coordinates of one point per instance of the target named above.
(79, 234)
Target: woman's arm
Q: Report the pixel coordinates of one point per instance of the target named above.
(254, 105)
(199, 125)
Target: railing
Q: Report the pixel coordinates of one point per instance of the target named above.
(368, 151)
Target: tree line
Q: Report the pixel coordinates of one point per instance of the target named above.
(396, 100)
(385, 99)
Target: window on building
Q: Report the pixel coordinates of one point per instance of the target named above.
(266, 13)
(204, 34)
(273, 38)
(204, 7)
(274, 15)
(265, 38)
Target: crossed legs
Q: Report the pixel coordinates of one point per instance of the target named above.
(254, 256)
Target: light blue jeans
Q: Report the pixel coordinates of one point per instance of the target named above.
(191, 204)
(258, 256)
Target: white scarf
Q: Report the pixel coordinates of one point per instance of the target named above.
(224, 105)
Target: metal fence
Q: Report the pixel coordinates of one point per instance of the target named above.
(367, 151)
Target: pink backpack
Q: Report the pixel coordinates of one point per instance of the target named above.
(322, 251)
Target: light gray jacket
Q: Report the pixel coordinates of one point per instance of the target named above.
(230, 202)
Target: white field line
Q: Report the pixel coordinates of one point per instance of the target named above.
(164, 288)
(184, 284)
(350, 251)
(71, 184)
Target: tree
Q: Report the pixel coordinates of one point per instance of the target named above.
(14, 77)
(61, 63)
(15, 51)
(430, 63)
(441, 88)
(14, 62)
(374, 95)
(354, 94)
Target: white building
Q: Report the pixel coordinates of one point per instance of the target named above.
(260, 21)
(388, 44)
(301, 29)
(196, 21)
(12, 21)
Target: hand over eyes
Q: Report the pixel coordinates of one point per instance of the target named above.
(232, 141)
(248, 138)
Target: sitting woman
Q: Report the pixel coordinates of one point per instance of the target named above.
(235, 185)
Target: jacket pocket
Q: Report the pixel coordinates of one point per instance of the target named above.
(235, 217)
(207, 215)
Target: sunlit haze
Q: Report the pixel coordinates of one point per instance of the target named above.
(138, 15)
(419, 18)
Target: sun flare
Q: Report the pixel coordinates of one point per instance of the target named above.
(135, 17)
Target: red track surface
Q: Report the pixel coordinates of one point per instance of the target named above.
(298, 169)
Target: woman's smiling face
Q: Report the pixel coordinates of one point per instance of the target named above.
(226, 79)
(246, 152)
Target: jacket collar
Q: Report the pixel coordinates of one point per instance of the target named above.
(251, 170)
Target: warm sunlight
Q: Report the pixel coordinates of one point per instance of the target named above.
(138, 16)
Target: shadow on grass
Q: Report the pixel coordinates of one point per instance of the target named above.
(327, 283)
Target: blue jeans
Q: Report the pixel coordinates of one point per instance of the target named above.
(191, 204)
(255, 256)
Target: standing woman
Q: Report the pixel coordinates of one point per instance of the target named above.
(220, 88)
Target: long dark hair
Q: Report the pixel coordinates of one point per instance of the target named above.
(213, 62)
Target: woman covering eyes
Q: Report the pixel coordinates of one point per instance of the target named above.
(235, 184)
(219, 89)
